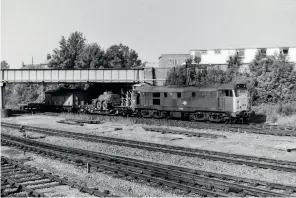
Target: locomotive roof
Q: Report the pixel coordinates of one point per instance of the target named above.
(180, 88)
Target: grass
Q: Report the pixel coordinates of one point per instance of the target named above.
(284, 114)
(287, 120)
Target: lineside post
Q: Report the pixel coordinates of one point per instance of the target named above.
(2, 95)
(88, 167)
(4, 112)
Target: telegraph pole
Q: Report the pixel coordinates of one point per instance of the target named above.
(187, 76)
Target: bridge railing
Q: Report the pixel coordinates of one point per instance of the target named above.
(71, 75)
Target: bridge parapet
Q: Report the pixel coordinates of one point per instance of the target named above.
(72, 75)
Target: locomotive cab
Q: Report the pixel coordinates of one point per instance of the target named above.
(242, 98)
(234, 99)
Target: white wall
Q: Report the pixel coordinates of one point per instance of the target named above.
(210, 57)
(292, 54)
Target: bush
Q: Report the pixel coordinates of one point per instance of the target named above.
(279, 113)
(286, 109)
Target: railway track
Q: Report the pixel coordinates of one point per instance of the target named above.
(18, 179)
(265, 129)
(189, 181)
(259, 162)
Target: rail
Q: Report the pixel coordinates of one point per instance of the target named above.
(189, 181)
(260, 162)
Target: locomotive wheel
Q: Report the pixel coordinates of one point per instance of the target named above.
(157, 114)
(81, 111)
(105, 105)
(99, 105)
(145, 113)
(192, 117)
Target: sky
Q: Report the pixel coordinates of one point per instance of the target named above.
(33, 28)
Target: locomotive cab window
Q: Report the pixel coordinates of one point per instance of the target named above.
(165, 94)
(193, 94)
(138, 99)
(156, 95)
(241, 92)
(179, 94)
(156, 98)
(226, 93)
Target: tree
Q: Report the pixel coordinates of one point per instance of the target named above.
(234, 61)
(92, 56)
(176, 76)
(48, 57)
(67, 55)
(260, 64)
(233, 64)
(197, 59)
(121, 56)
(4, 65)
(274, 79)
(216, 77)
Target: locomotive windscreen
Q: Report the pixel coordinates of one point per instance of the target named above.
(241, 86)
(241, 90)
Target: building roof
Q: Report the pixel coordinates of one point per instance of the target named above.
(172, 54)
(248, 47)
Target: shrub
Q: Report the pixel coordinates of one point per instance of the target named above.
(286, 109)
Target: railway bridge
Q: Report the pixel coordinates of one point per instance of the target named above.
(131, 76)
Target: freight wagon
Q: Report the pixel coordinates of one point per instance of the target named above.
(68, 100)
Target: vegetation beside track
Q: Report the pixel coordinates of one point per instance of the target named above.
(282, 114)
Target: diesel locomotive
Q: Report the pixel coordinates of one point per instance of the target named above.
(220, 103)
(215, 103)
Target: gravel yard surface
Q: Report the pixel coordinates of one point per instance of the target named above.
(240, 143)
(191, 162)
(116, 186)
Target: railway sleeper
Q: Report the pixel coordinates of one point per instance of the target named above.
(29, 179)
(5, 171)
(11, 173)
(54, 181)
(37, 182)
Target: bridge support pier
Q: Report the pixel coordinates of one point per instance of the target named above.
(2, 96)
(4, 112)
